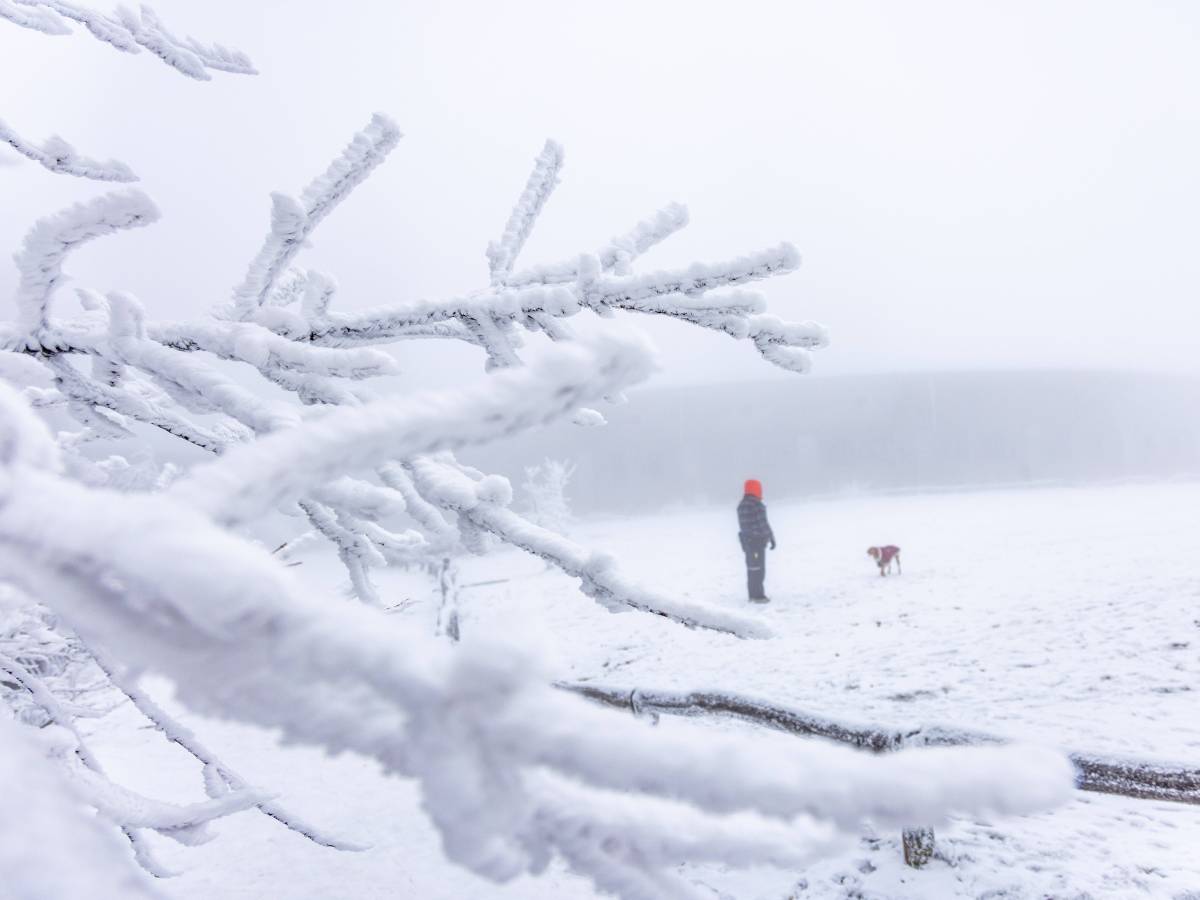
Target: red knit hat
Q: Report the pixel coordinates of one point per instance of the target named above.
(754, 487)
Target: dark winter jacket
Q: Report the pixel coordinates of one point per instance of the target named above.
(753, 528)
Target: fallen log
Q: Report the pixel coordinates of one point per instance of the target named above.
(1141, 779)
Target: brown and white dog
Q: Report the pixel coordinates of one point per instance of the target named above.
(884, 557)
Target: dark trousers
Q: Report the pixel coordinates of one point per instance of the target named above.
(756, 569)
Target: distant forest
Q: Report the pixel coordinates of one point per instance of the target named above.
(814, 435)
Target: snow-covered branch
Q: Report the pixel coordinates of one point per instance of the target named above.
(543, 179)
(295, 304)
(283, 466)
(355, 550)
(293, 221)
(617, 255)
(390, 323)
(187, 54)
(132, 810)
(206, 387)
(440, 534)
(33, 16)
(270, 352)
(121, 806)
(57, 155)
(219, 778)
(140, 407)
(489, 315)
(129, 32)
(632, 291)
(50, 848)
(47, 245)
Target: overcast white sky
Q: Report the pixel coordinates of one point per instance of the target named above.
(971, 184)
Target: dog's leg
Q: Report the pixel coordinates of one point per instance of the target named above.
(899, 571)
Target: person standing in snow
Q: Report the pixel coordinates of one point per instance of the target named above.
(754, 531)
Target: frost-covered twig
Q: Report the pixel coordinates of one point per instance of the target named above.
(58, 156)
(90, 392)
(396, 322)
(437, 530)
(632, 291)
(282, 466)
(355, 550)
(37, 18)
(534, 299)
(128, 810)
(128, 31)
(293, 221)
(266, 351)
(617, 255)
(205, 386)
(223, 778)
(131, 810)
(683, 294)
(185, 53)
(543, 179)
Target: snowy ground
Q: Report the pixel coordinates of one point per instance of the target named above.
(1065, 616)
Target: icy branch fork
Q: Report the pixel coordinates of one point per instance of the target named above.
(538, 299)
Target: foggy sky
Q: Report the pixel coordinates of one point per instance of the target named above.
(970, 184)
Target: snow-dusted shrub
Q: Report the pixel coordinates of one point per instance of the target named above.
(545, 491)
(150, 570)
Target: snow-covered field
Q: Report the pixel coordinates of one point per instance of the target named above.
(1069, 617)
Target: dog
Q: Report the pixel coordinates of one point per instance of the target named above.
(884, 557)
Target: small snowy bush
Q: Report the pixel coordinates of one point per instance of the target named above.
(114, 566)
(545, 489)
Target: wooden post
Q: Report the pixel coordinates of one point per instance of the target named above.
(447, 622)
(918, 846)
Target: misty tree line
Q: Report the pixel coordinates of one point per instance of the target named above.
(873, 433)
